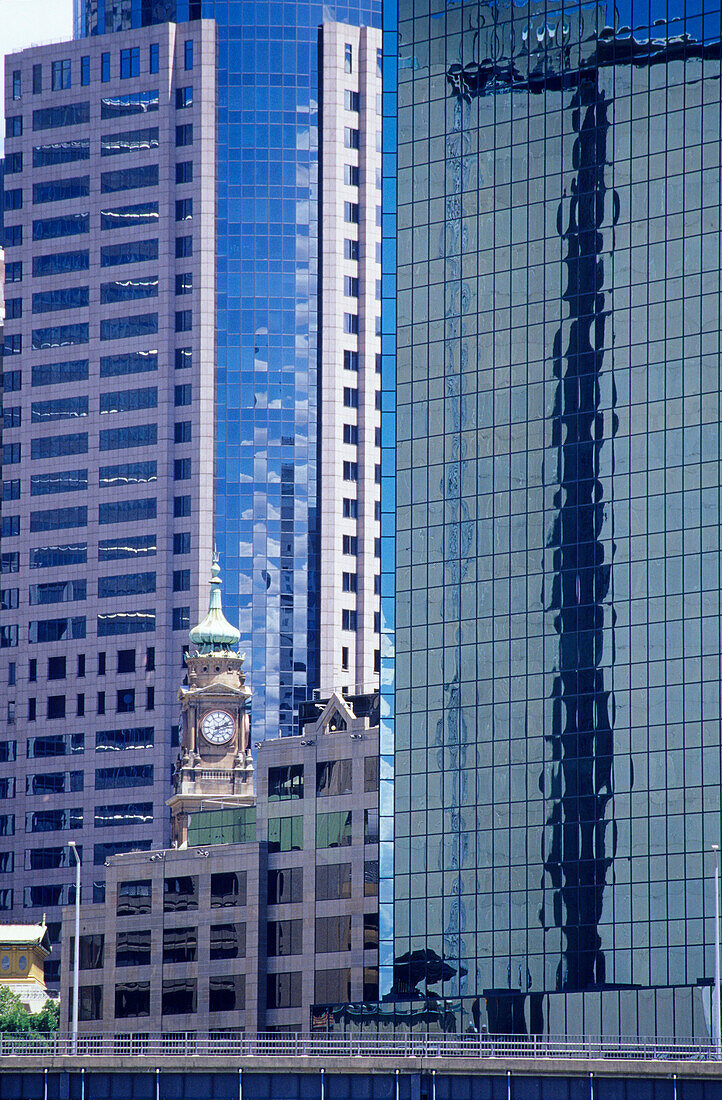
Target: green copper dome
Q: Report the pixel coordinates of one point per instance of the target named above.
(214, 634)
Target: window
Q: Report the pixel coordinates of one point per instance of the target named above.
(128, 473)
(348, 619)
(180, 945)
(9, 599)
(350, 360)
(183, 358)
(130, 62)
(154, 57)
(12, 345)
(180, 894)
(56, 630)
(50, 301)
(14, 199)
(182, 469)
(183, 210)
(350, 323)
(132, 999)
(125, 179)
(228, 889)
(14, 272)
(333, 882)
(228, 941)
(183, 248)
(129, 546)
(333, 830)
(137, 737)
(47, 821)
(350, 471)
(57, 592)
(179, 997)
(130, 141)
(85, 69)
(125, 622)
(134, 900)
(183, 320)
(333, 777)
(333, 933)
(105, 67)
(188, 54)
(350, 508)
(182, 543)
(124, 703)
(70, 225)
(61, 152)
(350, 434)
(120, 401)
(60, 75)
(131, 362)
(126, 217)
(10, 454)
(59, 263)
(332, 986)
(126, 584)
(13, 164)
(37, 79)
(184, 97)
(11, 490)
(13, 236)
(56, 706)
(47, 557)
(14, 126)
(350, 286)
(75, 187)
(183, 394)
(348, 58)
(351, 100)
(351, 177)
(350, 544)
(17, 84)
(184, 171)
(182, 432)
(351, 212)
(129, 252)
(181, 507)
(132, 948)
(351, 249)
(284, 937)
(285, 834)
(349, 582)
(133, 775)
(285, 886)
(283, 990)
(126, 660)
(371, 826)
(132, 103)
(54, 446)
(119, 328)
(66, 114)
(350, 397)
(181, 580)
(123, 815)
(62, 408)
(184, 135)
(285, 782)
(59, 336)
(184, 283)
(10, 526)
(181, 618)
(351, 138)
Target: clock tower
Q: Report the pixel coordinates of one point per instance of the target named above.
(214, 769)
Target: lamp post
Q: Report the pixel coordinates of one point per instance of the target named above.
(717, 1000)
(76, 956)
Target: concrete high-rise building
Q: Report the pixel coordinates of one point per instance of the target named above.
(285, 318)
(167, 343)
(558, 457)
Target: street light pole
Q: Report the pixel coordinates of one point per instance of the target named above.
(717, 999)
(76, 957)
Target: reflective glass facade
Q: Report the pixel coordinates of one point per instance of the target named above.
(267, 324)
(557, 672)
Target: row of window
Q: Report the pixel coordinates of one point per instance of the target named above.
(115, 549)
(77, 370)
(73, 225)
(128, 66)
(132, 999)
(113, 328)
(57, 708)
(333, 777)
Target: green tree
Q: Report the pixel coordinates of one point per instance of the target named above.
(15, 1018)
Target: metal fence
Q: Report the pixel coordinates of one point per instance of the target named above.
(397, 1045)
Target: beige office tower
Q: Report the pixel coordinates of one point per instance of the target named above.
(107, 445)
(350, 352)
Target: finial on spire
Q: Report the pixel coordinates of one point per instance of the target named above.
(214, 634)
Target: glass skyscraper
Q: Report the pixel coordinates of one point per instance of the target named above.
(267, 323)
(558, 478)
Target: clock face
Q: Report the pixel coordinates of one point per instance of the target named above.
(218, 727)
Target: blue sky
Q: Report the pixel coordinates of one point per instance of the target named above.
(32, 22)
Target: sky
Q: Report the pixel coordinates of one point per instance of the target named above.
(32, 23)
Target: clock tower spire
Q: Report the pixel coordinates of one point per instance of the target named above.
(215, 767)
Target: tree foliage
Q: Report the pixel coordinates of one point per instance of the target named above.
(15, 1018)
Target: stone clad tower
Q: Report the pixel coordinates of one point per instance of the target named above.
(214, 768)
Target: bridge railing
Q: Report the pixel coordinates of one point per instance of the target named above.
(398, 1045)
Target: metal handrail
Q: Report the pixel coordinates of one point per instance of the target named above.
(358, 1044)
